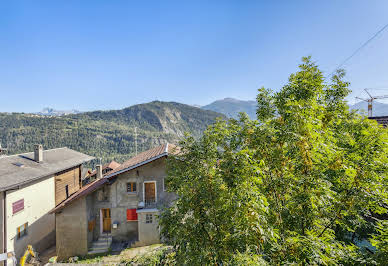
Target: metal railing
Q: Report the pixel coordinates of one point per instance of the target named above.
(150, 203)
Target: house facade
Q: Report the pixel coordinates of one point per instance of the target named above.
(122, 207)
(32, 184)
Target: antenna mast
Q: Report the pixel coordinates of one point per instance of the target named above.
(370, 101)
(136, 140)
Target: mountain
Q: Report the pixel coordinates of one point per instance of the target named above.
(52, 112)
(232, 107)
(109, 135)
(378, 109)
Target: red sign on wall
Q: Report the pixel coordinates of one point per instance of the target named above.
(17, 206)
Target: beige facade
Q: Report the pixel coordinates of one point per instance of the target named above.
(2, 222)
(39, 199)
(148, 227)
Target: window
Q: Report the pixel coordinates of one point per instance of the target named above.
(103, 194)
(131, 187)
(21, 231)
(164, 184)
(17, 206)
(148, 218)
(131, 215)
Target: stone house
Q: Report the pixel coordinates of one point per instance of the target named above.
(31, 184)
(122, 207)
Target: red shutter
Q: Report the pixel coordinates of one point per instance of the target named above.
(131, 215)
(17, 206)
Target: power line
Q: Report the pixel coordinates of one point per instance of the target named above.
(358, 49)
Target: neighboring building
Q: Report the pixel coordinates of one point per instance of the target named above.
(122, 206)
(382, 120)
(105, 169)
(32, 184)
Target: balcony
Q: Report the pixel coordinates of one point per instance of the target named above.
(150, 203)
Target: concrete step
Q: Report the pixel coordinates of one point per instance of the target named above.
(102, 245)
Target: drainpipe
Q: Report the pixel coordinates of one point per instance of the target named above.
(4, 227)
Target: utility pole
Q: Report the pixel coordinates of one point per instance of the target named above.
(136, 140)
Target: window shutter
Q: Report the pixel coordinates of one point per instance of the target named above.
(131, 215)
(17, 206)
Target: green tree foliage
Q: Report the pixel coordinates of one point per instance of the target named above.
(302, 184)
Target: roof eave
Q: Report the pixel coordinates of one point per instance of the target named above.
(43, 176)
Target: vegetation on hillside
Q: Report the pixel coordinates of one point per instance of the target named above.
(105, 134)
(303, 184)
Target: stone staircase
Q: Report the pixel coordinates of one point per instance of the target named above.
(102, 245)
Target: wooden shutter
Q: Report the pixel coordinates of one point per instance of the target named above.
(17, 206)
(131, 215)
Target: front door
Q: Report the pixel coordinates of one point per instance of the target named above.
(150, 196)
(106, 220)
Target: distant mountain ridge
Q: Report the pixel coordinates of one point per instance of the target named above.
(232, 107)
(378, 109)
(53, 112)
(109, 135)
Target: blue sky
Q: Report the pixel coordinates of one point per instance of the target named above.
(90, 55)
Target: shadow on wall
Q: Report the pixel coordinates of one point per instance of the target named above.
(38, 235)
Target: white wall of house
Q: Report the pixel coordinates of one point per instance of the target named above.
(1, 223)
(39, 199)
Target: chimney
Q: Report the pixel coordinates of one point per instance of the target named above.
(38, 153)
(99, 171)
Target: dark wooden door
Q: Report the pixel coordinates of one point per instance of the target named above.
(106, 220)
(150, 193)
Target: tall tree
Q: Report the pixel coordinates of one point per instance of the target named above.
(303, 183)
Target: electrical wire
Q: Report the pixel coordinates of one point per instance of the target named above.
(358, 49)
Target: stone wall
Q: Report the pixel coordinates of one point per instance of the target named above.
(118, 200)
(71, 230)
(72, 222)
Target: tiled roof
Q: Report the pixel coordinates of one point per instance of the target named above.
(89, 188)
(112, 165)
(21, 169)
(143, 158)
(382, 120)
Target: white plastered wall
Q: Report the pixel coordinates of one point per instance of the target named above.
(39, 199)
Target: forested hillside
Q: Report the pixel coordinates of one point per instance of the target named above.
(105, 134)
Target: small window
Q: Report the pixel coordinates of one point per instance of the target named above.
(131, 215)
(164, 184)
(131, 187)
(21, 231)
(148, 218)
